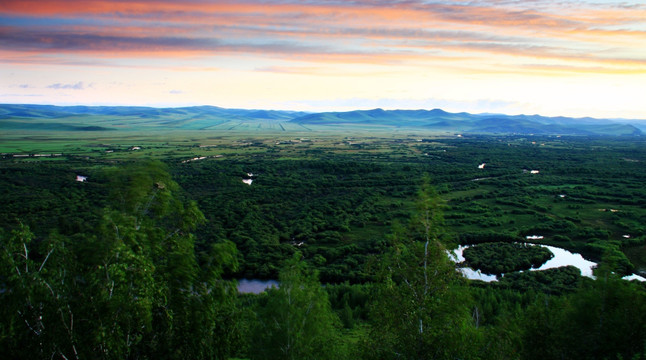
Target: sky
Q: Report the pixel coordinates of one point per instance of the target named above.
(550, 57)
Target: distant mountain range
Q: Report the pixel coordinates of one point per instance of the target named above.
(437, 119)
(124, 118)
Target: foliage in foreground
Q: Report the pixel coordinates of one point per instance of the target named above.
(131, 289)
(604, 319)
(420, 308)
(296, 321)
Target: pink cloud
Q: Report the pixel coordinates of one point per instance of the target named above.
(325, 31)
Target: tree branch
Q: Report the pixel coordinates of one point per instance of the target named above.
(10, 257)
(28, 324)
(24, 245)
(44, 261)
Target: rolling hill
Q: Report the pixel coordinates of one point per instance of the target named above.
(440, 120)
(134, 118)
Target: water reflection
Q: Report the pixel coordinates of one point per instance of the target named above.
(634, 277)
(561, 258)
(457, 257)
(254, 286)
(469, 273)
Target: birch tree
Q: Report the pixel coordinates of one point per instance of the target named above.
(132, 288)
(420, 309)
(296, 322)
(35, 283)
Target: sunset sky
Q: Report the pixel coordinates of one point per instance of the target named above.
(551, 57)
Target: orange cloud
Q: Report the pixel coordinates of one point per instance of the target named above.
(354, 32)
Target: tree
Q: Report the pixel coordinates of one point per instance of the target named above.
(188, 308)
(35, 278)
(604, 319)
(296, 320)
(421, 310)
(133, 288)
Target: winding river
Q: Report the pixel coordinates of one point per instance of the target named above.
(561, 258)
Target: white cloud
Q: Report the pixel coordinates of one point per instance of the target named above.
(78, 86)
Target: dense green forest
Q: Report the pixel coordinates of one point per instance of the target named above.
(500, 257)
(141, 259)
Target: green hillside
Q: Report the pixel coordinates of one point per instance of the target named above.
(212, 118)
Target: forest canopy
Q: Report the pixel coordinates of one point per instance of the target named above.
(499, 258)
(141, 259)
